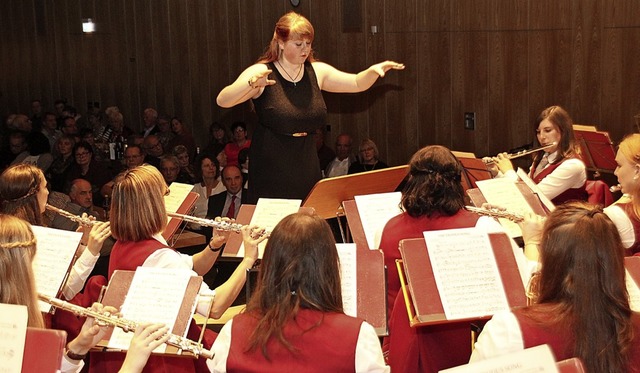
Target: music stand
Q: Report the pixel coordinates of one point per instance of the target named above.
(474, 169)
(596, 149)
(174, 223)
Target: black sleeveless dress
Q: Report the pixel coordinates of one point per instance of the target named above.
(283, 164)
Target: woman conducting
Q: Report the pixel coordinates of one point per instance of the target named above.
(581, 306)
(285, 87)
(558, 171)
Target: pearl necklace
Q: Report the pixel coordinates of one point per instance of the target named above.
(294, 80)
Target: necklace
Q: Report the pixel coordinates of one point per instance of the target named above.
(293, 79)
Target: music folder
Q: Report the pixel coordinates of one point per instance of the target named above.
(419, 283)
(184, 208)
(117, 291)
(43, 350)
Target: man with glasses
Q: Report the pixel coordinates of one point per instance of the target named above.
(154, 150)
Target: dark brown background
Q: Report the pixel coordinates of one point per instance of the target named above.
(505, 60)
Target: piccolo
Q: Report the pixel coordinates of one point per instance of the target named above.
(495, 213)
(70, 216)
(615, 188)
(522, 153)
(218, 225)
(175, 340)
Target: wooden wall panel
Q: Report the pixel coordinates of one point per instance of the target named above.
(504, 60)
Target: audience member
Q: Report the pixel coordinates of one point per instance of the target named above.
(38, 152)
(209, 168)
(80, 202)
(182, 136)
(20, 122)
(217, 137)
(61, 163)
(36, 114)
(343, 160)
(150, 122)
(85, 167)
(153, 150)
(239, 142)
(133, 157)
(50, 129)
(164, 130)
(170, 168)
(228, 203)
(187, 171)
(17, 145)
(368, 158)
(69, 127)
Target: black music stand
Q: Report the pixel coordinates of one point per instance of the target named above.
(474, 169)
(596, 149)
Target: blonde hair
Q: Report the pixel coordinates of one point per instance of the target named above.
(17, 282)
(630, 148)
(137, 204)
(290, 26)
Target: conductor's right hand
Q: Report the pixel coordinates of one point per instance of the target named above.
(261, 79)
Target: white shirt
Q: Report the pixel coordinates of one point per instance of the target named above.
(79, 272)
(572, 173)
(202, 203)
(169, 258)
(623, 223)
(338, 167)
(368, 351)
(500, 336)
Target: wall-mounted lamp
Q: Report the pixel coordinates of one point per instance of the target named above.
(88, 26)
(374, 30)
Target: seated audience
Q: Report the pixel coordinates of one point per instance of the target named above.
(239, 142)
(340, 164)
(580, 302)
(209, 184)
(182, 136)
(38, 152)
(367, 158)
(217, 137)
(85, 167)
(325, 153)
(153, 150)
(221, 204)
(164, 130)
(187, 171)
(50, 129)
(17, 143)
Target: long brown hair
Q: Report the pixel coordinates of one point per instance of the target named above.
(289, 26)
(564, 124)
(19, 186)
(582, 284)
(137, 204)
(17, 283)
(300, 269)
(434, 183)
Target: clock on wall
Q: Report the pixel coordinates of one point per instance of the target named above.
(295, 2)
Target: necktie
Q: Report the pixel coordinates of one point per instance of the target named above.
(543, 163)
(231, 213)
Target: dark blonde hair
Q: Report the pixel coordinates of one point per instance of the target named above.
(137, 204)
(17, 282)
(582, 285)
(19, 186)
(630, 148)
(300, 269)
(564, 124)
(368, 143)
(290, 26)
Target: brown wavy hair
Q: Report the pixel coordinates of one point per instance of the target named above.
(19, 185)
(300, 269)
(434, 184)
(17, 282)
(582, 285)
(564, 124)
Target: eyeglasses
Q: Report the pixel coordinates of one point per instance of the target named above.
(156, 145)
(81, 154)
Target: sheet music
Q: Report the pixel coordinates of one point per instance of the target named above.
(503, 192)
(178, 193)
(375, 210)
(268, 213)
(348, 277)
(55, 252)
(537, 359)
(634, 292)
(536, 190)
(13, 334)
(155, 296)
(466, 273)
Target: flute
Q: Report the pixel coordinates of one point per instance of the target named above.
(615, 188)
(175, 340)
(74, 218)
(495, 213)
(522, 153)
(218, 225)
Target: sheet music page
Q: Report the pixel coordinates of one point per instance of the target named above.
(634, 292)
(534, 187)
(178, 193)
(268, 213)
(466, 273)
(537, 359)
(13, 333)
(155, 296)
(54, 254)
(375, 211)
(348, 277)
(503, 192)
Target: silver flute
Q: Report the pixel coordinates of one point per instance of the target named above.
(219, 225)
(522, 153)
(74, 218)
(495, 213)
(615, 188)
(175, 340)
